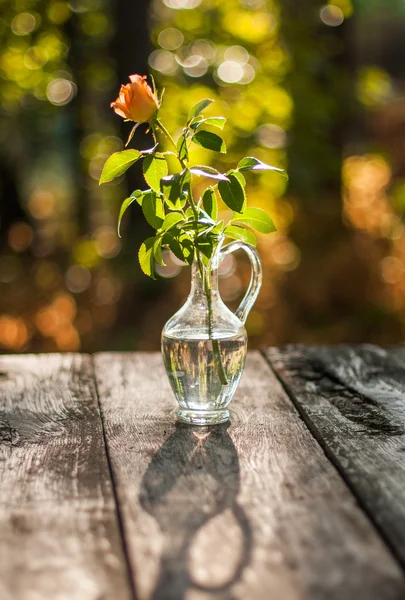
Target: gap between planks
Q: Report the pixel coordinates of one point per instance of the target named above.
(119, 515)
(351, 397)
(249, 509)
(59, 538)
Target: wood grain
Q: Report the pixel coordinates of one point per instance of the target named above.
(59, 535)
(251, 510)
(353, 400)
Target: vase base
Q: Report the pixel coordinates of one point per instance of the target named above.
(203, 417)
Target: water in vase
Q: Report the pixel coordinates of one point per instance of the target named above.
(200, 381)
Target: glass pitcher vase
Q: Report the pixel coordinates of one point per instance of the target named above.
(204, 344)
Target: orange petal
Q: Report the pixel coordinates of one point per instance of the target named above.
(137, 78)
(136, 100)
(128, 95)
(140, 80)
(121, 109)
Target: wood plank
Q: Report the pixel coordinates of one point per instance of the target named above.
(59, 534)
(251, 510)
(353, 399)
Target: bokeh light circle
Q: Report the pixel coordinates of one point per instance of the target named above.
(182, 4)
(331, 15)
(170, 38)
(23, 24)
(60, 91)
(163, 61)
(237, 53)
(230, 71)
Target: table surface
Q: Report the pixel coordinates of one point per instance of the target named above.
(300, 496)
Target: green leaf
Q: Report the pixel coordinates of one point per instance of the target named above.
(213, 121)
(181, 245)
(256, 218)
(171, 191)
(210, 141)
(118, 163)
(232, 192)
(138, 196)
(217, 230)
(185, 177)
(123, 208)
(204, 217)
(197, 108)
(199, 226)
(171, 186)
(182, 148)
(146, 257)
(208, 172)
(240, 233)
(205, 245)
(249, 163)
(178, 204)
(157, 251)
(154, 169)
(171, 220)
(238, 176)
(187, 247)
(210, 203)
(197, 121)
(203, 231)
(152, 208)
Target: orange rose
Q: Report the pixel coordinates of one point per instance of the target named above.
(136, 100)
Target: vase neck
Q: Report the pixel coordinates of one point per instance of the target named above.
(203, 280)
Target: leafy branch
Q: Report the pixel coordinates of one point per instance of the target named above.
(189, 228)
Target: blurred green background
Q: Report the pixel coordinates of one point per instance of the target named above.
(316, 88)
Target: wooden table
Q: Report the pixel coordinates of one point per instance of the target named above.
(300, 496)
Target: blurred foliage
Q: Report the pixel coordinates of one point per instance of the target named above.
(232, 53)
(58, 228)
(306, 86)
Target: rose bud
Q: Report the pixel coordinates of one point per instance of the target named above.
(136, 100)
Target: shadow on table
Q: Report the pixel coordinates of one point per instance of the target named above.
(193, 477)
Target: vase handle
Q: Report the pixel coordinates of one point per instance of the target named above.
(256, 278)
